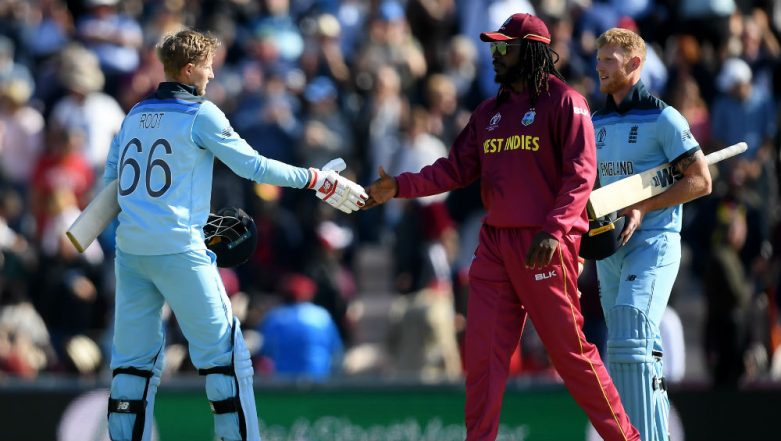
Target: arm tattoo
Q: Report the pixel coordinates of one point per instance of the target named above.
(684, 163)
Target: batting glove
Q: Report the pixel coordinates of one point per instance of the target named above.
(336, 190)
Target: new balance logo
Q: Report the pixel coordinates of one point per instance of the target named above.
(327, 187)
(123, 406)
(544, 276)
(631, 278)
(227, 132)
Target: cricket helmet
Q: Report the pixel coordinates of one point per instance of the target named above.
(231, 235)
(602, 239)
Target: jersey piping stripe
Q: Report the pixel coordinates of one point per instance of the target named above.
(170, 101)
(163, 107)
(634, 111)
(625, 119)
(580, 345)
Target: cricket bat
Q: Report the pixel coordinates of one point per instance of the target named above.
(641, 186)
(95, 218)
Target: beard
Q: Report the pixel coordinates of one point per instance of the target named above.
(510, 76)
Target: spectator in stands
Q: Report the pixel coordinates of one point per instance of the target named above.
(326, 131)
(422, 336)
(729, 294)
(114, 37)
(300, 338)
(21, 134)
(86, 107)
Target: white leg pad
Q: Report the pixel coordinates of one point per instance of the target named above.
(132, 402)
(231, 394)
(636, 369)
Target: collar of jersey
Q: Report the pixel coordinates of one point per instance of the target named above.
(173, 90)
(632, 99)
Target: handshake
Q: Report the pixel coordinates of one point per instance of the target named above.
(344, 194)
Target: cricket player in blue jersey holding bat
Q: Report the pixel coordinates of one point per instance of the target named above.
(636, 131)
(163, 158)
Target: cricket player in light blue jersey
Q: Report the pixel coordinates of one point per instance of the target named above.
(163, 158)
(636, 131)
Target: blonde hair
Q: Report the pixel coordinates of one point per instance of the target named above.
(629, 41)
(186, 46)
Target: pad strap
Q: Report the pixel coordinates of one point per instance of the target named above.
(224, 406)
(224, 370)
(232, 404)
(137, 407)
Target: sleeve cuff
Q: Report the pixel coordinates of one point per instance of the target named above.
(557, 234)
(402, 187)
(312, 178)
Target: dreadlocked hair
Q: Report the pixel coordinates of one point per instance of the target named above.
(537, 64)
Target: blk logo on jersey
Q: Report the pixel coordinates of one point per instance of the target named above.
(544, 276)
(580, 111)
(528, 118)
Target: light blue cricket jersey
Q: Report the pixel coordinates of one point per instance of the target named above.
(163, 157)
(639, 134)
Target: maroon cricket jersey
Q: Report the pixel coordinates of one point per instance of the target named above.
(537, 165)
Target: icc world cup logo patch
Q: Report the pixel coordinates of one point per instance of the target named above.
(494, 123)
(528, 117)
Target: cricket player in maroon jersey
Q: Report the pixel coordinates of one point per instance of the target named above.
(533, 148)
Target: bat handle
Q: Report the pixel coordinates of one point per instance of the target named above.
(336, 164)
(726, 152)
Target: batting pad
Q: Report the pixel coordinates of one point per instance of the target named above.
(239, 419)
(135, 394)
(637, 371)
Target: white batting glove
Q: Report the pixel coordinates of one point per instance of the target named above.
(336, 190)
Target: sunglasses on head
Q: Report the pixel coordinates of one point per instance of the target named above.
(501, 47)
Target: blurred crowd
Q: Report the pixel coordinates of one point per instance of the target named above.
(376, 82)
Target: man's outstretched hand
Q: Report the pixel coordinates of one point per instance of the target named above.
(382, 190)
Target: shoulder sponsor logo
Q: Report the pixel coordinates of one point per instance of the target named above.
(686, 135)
(544, 276)
(580, 111)
(227, 132)
(494, 122)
